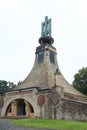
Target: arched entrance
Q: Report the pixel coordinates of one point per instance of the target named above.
(20, 107)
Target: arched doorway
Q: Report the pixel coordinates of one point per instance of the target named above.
(20, 107)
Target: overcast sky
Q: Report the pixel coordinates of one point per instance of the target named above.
(20, 29)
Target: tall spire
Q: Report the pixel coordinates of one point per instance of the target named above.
(46, 32)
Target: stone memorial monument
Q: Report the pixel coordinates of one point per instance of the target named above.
(45, 93)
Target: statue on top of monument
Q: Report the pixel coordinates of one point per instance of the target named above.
(46, 32)
(46, 27)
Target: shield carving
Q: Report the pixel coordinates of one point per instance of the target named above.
(54, 99)
(41, 100)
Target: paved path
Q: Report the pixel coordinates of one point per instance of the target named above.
(6, 125)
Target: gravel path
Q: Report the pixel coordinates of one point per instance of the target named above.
(6, 125)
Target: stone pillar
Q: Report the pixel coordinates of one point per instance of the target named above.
(27, 108)
(14, 108)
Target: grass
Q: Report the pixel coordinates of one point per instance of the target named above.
(52, 124)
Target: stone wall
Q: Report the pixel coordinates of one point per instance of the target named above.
(57, 107)
(68, 110)
(49, 104)
(74, 110)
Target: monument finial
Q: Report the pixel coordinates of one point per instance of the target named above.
(46, 32)
(46, 27)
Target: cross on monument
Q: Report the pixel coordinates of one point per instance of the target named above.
(46, 27)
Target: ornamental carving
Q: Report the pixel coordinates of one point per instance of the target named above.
(41, 100)
(54, 99)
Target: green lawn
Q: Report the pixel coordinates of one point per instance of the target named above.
(54, 124)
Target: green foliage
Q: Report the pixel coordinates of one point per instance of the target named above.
(5, 86)
(80, 80)
(51, 124)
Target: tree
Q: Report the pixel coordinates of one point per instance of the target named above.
(80, 80)
(5, 86)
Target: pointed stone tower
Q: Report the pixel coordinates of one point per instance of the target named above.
(45, 72)
(45, 93)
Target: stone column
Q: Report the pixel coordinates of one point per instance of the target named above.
(27, 109)
(14, 108)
